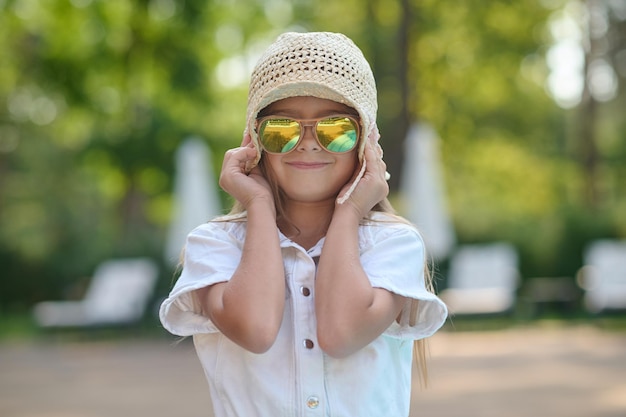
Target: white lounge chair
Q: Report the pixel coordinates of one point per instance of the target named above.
(482, 279)
(603, 276)
(117, 295)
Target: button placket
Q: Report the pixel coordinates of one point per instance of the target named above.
(310, 359)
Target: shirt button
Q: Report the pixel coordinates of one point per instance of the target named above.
(308, 343)
(312, 402)
(305, 291)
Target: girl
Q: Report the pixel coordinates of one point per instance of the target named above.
(306, 299)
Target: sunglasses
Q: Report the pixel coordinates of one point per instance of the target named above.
(337, 133)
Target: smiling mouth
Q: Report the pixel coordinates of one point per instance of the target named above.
(307, 165)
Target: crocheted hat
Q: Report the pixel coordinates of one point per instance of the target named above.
(319, 64)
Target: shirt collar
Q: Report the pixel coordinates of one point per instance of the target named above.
(316, 250)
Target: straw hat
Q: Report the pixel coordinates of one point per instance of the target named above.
(319, 64)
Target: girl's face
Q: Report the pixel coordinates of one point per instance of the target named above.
(310, 173)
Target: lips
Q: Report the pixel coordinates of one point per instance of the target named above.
(307, 164)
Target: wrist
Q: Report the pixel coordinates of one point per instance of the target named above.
(347, 213)
(261, 205)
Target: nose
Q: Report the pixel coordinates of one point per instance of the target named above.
(307, 140)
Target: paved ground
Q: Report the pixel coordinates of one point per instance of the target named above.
(531, 372)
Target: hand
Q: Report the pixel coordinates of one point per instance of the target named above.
(238, 180)
(372, 188)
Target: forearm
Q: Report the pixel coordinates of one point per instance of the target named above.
(249, 307)
(350, 312)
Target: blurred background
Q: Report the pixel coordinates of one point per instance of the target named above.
(516, 107)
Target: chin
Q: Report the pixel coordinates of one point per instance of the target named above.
(311, 196)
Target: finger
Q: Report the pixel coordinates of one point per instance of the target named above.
(371, 154)
(379, 149)
(240, 156)
(374, 134)
(375, 158)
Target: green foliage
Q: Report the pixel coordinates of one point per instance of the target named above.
(95, 96)
(510, 171)
(99, 95)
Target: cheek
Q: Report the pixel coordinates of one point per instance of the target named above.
(353, 164)
(347, 169)
(271, 161)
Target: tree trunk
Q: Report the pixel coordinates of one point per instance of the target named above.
(587, 148)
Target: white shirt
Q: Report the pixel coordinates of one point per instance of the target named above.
(295, 378)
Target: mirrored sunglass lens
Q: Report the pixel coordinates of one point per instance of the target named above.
(337, 134)
(279, 135)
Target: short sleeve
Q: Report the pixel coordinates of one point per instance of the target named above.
(395, 261)
(211, 255)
